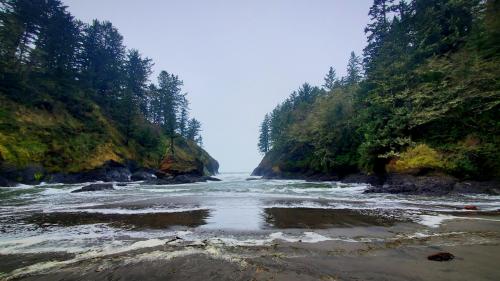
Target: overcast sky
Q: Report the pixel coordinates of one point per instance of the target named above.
(238, 59)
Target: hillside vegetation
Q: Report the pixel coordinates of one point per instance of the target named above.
(73, 98)
(425, 98)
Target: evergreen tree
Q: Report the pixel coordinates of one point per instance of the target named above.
(264, 138)
(103, 59)
(331, 80)
(193, 129)
(377, 29)
(137, 71)
(183, 115)
(154, 104)
(354, 74)
(170, 96)
(57, 42)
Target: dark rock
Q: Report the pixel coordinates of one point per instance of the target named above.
(31, 174)
(471, 207)
(363, 178)
(487, 187)
(121, 184)
(253, 179)
(438, 184)
(110, 171)
(6, 183)
(409, 184)
(179, 179)
(143, 175)
(186, 179)
(321, 177)
(442, 256)
(95, 187)
(160, 181)
(208, 178)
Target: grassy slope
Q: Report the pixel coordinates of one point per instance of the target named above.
(64, 142)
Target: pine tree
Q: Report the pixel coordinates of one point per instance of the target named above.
(170, 96)
(377, 29)
(57, 42)
(354, 74)
(154, 105)
(103, 59)
(193, 129)
(331, 80)
(183, 115)
(264, 138)
(137, 71)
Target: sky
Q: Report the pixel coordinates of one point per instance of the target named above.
(238, 59)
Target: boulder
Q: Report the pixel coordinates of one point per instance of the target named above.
(208, 178)
(410, 184)
(186, 179)
(95, 187)
(31, 174)
(179, 179)
(110, 171)
(362, 178)
(143, 175)
(160, 181)
(6, 183)
(488, 187)
(442, 256)
(432, 184)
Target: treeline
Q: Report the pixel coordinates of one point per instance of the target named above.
(424, 97)
(47, 55)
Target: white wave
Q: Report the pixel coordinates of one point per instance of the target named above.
(165, 190)
(434, 220)
(136, 211)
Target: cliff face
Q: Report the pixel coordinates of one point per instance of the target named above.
(46, 141)
(289, 161)
(188, 159)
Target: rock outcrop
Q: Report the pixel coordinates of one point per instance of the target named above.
(273, 166)
(94, 187)
(432, 184)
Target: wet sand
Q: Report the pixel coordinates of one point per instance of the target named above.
(130, 221)
(398, 255)
(324, 218)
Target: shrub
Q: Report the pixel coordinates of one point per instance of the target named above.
(416, 159)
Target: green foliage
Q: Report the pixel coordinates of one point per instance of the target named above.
(264, 139)
(72, 96)
(431, 77)
(417, 158)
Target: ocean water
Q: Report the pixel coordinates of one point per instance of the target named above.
(234, 211)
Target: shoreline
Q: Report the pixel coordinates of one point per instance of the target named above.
(245, 230)
(476, 252)
(110, 172)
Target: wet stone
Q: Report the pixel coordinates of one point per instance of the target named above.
(94, 187)
(442, 256)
